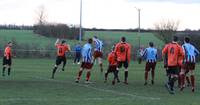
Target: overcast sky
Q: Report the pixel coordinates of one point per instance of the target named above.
(103, 13)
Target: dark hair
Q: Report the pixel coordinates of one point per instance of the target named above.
(95, 37)
(175, 38)
(151, 44)
(123, 39)
(90, 40)
(9, 42)
(63, 41)
(187, 39)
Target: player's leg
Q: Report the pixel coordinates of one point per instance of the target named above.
(100, 64)
(58, 62)
(192, 77)
(64, 60)
(174, 77)
(4, 66)
(106, 74)
(153, 73)
(75, 58)
(79, 74)
(78, 58)
(126, 72)
(88, 74)
(182, 79)
(9, 66)
(147, 69)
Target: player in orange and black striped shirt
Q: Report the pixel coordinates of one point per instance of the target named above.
(112, 67)
(7, 61)
(62, 48)
(174, 54)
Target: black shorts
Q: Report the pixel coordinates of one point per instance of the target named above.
(7, 61)
(60, 59)
(112, 68)
(124, 63)
(173, 70)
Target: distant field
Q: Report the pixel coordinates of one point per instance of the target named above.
(30, 84)
(28, 37)
(132, 37)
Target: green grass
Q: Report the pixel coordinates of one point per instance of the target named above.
(132, 37)
(29, 84)
(28, 37)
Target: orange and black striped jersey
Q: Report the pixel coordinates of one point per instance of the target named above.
(174, 54)
(112, 59)
(123, 51)
(8, 52)
(61, 49)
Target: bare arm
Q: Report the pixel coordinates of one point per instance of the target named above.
(57, 41)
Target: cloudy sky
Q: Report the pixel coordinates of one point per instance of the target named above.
(103, 13)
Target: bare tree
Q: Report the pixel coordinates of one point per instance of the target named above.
(165, 29)
(41, 15)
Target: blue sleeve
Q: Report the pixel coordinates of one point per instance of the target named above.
(196, 52)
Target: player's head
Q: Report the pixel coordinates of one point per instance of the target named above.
(63, 42)
(123, 39)
(151, 44)
(90, 40)
(175, 38)
(187, 40)
(10, 44)
(95, 37)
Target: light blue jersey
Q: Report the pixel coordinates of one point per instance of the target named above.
(190, 53)
(87, 53)
(150, 54)
(98, 45)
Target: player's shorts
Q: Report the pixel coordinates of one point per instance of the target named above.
(124, 63)
(150, 65)
(189, 66)
(112, 68)
(7, 61)
(60, 59)
(86, 65)
(98, 54)
(174, 70)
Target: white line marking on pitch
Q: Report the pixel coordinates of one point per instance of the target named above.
(134, 96)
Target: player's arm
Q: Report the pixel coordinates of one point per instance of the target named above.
(57, 41)
(129, 53)
(196, 52)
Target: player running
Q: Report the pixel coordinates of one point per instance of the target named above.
(62, 48)
(87, 61)
(123, 52)
(7, 59)
(112, 67)
(173, 51)
(98, 54)
(150, 54)
(189, 63)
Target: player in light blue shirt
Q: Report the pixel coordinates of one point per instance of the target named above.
(98, 53)
(150, 55)
(87, 61)
(189, 63)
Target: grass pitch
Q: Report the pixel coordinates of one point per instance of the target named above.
(30, 84)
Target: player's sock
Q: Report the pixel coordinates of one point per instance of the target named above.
(126, 77)
(192, 80)
(145, 77)
(188, 80)
(172, 81)
(101, 67)
(182, 81)
(79, 74)
(3, 72)
(53, 72)
(63, 68)
(9, 69)
(88, 76)
(106, 76)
